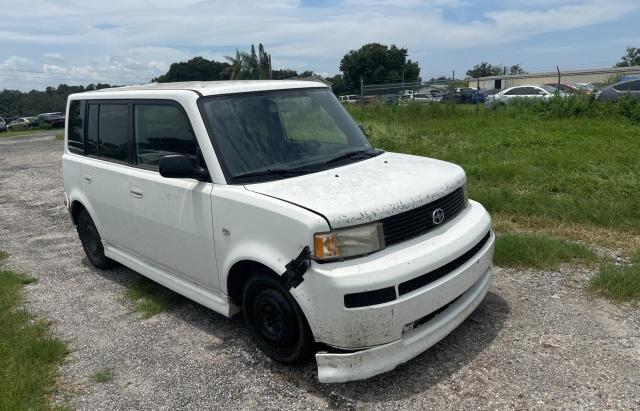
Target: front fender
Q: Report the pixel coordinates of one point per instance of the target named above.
(253, 227)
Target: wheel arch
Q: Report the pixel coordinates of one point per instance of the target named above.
(238, 275)
(75, 209)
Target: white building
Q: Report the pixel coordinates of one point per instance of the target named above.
(593, 76)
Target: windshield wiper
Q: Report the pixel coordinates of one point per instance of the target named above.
(276, 172)
(349, 154)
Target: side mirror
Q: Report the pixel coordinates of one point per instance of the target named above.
(361, 127)
(181, 166)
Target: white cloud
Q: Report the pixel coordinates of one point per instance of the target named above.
(151, 34)
(561, 18)
(53, 56)
(53, 69)
(16, 63)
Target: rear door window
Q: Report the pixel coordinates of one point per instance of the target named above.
(161, 130)
(113, 137)
(92, 130)
(514, 92)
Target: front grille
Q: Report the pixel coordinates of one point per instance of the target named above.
(413, 223)
(440, 272)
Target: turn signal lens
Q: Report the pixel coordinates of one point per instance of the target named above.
(326, 245)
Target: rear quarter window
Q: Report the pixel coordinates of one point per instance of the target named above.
(76, 127)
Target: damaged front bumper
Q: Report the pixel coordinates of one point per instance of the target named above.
(342, 367)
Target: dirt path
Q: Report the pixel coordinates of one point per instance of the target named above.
(538, 341)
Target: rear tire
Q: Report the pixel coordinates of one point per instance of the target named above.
(91, 242)
(275, 320)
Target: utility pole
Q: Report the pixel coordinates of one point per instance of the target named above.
(477, 94)
(270, 74)
(559, 78)
(453, 76)
(361, 92)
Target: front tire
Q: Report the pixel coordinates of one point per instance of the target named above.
(91, 242)
(275, 320)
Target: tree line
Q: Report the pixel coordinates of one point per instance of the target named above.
(24, 104)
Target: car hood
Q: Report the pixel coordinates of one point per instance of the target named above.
(368, 190)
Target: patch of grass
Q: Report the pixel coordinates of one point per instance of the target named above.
(151, 298)
(619, 283)
(539, 251)
(60, 136)
(21, 132)
(102, 376)
(29, 357)
(635, 258)
(571, 170)
(607, 237)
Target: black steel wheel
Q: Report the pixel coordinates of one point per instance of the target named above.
(275, 320)
(91, 242)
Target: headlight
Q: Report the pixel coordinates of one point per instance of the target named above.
(349, 242)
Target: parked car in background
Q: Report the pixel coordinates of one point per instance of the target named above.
(436, 95)
(567, 88)
(349, 99)
(50, 119)
(465, 95)
(405, 99)
(424, 98)
(390, 98)
(524, 92)
(3, 125)
(369, 100)
(22, 123)
(628, 86)
(588, 88)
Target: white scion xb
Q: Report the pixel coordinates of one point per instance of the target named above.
(265, 197)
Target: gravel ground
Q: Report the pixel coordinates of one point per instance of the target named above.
(538, 340)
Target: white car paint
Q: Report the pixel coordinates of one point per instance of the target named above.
(390, 181)
(530, 92)
(188, 235)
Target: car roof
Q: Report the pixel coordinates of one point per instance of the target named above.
(210, 88)
(523, 85)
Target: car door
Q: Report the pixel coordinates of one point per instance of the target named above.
(172, 216)
(105, 170)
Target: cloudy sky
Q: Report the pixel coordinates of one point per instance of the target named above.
(127, 42)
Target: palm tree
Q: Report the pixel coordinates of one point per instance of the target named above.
(237, 64)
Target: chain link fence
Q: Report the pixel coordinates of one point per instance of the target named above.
(476, 90)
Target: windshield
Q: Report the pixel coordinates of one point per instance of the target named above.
(549, 89)
(267, 133)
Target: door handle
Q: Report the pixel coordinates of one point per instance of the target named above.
(87, 178)
(135, 192)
